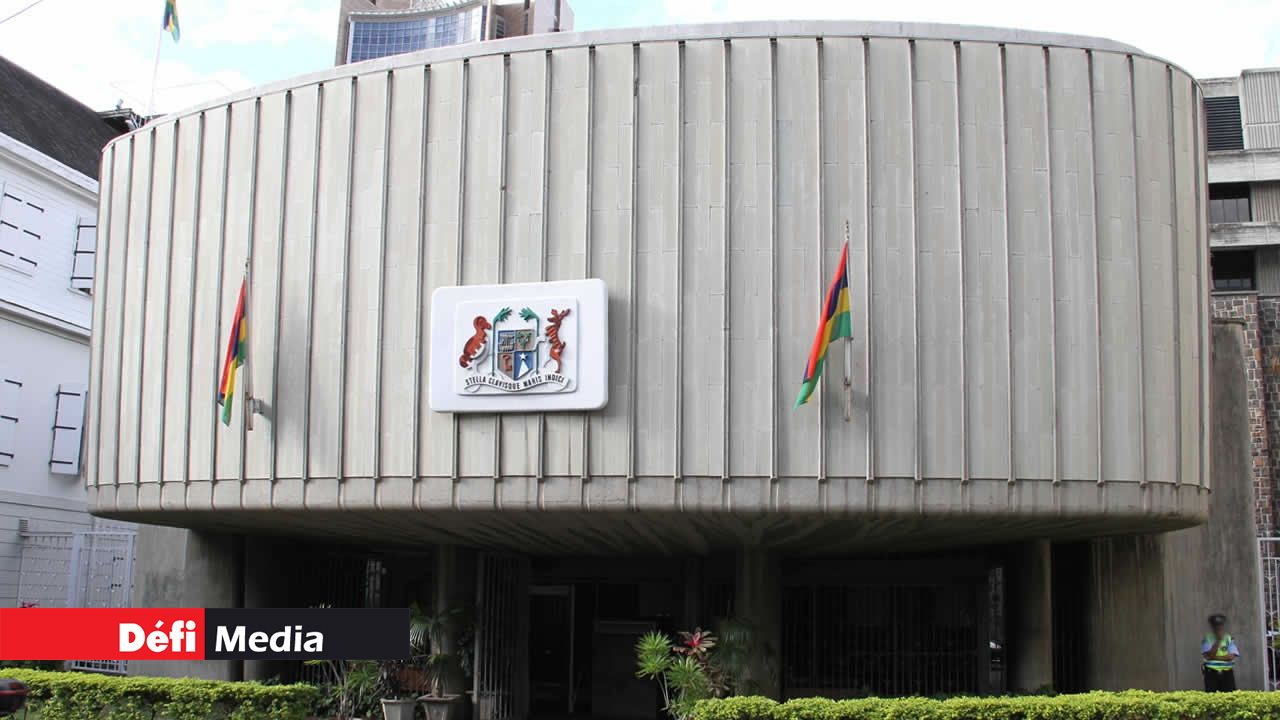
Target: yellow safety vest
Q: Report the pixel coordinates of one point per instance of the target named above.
(1220, 657)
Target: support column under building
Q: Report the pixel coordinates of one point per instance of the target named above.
(178, 568)
(758, 602)
(1030, 631)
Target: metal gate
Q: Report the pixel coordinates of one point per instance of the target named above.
(501, 638)
(78, 569)
(1269, 578)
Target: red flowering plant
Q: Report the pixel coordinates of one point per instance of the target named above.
(685, 670)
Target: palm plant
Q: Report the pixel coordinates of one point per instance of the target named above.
(428, 636)
(682, 676)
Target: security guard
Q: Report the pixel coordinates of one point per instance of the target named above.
(1219, 652)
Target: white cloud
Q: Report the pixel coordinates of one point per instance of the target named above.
(252, 22)
(104, 52)
(1213, 40)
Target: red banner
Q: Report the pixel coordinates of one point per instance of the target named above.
(204, 634)
(102, 633)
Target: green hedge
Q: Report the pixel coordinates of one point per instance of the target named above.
(84, 696)
(1129, 705)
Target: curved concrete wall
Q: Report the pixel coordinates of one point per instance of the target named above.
(1028, 253)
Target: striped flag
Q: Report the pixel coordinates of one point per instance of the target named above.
(836, 322)
(171, 19)
(237, 349)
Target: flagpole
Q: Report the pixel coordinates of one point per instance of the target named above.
(155, 73)
(248, 376)
(848, 340)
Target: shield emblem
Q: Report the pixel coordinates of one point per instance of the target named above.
(517, 352)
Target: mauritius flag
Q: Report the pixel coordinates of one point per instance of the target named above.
(237, 349)
(170, 22)
(835, 323)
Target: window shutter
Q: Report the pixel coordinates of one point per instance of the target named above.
(68, 422)
(9, 391)
(1222, 120)
(22, 220)
(86, 247)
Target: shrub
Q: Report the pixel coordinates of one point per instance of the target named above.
(82, 696)
(1129, 705)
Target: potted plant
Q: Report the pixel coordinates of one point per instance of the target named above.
(395, 704)
(429, 634)
(350, 687)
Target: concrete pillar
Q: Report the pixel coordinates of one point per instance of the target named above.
(1030, 610)
(455, 584)
(1150, 595)
(1213, 568)
(758, 602)
(185, 568)
(1126, 615)
(265, 586)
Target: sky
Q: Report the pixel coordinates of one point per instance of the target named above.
(103, 51)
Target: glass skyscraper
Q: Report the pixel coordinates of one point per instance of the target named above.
(374, 36)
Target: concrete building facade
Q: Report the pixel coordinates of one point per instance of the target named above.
(1244, 232)
(990, 473)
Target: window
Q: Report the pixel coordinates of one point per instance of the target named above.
(9, 392)
(1222, 120)
(380, 38)
(82, 265)
(1232, 270)
(21, 227)
(1229, 203)
(68, 422)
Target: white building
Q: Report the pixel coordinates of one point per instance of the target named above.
(50, 149)
(1028, 412)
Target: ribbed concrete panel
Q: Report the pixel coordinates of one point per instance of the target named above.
(1260, 106)
(1187, 177)
(1074, 253)
(1031, 289)
(567, 245)
(1265, 201)
(1026, 268)
(1119, 271)
(236, 230)
(153, 338)
(938, 219)
(703, 389)
(1162, 387)
(987, 354)
(400, 370)
(136, 267)
(291, 401)
(657, 270)
(111, 292)
(892, 259)
(265, 233)
(844, 191)
(364, 278)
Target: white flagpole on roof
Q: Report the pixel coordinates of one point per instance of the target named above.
(155, 73)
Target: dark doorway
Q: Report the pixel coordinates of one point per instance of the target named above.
(1070, 588)
(585, 616)
(551, 650)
